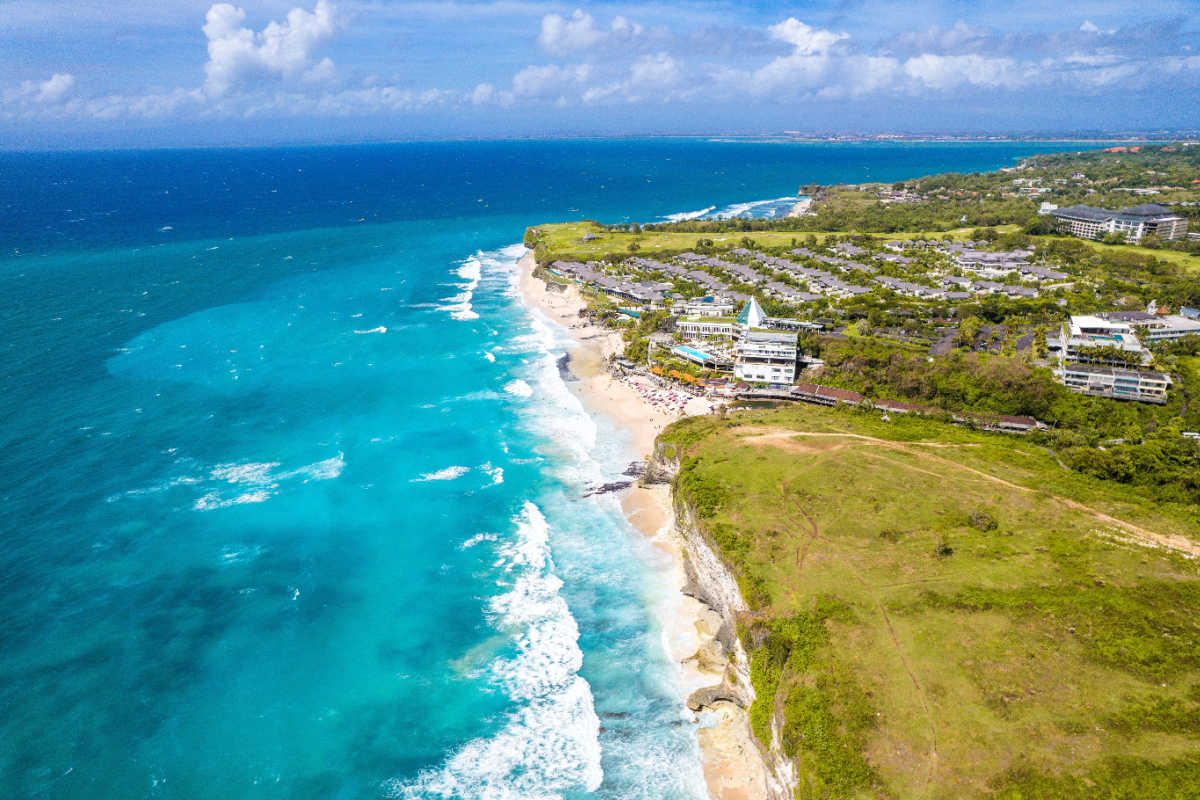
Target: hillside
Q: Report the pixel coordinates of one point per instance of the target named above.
(937, 612)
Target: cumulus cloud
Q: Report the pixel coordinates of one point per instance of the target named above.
(237, 55)
(568, 36)
(548, 79)
(806, 40)
(657, 70)
(47, 92)
(949, 72)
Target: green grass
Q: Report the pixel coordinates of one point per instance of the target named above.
(564, 241)
(1190, 261)
(909, 602)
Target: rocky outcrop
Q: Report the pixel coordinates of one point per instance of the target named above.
(725, 734)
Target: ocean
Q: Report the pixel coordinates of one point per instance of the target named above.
(294, 489)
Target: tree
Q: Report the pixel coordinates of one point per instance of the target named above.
(634, 247)
(968, 329)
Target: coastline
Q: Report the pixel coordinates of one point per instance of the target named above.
(733, 766)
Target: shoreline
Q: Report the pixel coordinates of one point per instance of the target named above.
(688, 625)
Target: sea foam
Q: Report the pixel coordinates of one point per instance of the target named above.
(684, 216)
(550, 744)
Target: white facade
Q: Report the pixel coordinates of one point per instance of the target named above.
(1168, 327)
(698, 327)
(1115, 383)
(1085, 332)
(766, 357)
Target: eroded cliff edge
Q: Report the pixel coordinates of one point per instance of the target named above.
(737, 764)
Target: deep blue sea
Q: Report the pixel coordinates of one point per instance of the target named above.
(293, 488)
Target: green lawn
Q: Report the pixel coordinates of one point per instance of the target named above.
(946, 613)
(564, 240)
(1187, 260)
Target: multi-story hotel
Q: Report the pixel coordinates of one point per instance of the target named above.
(1088, 222)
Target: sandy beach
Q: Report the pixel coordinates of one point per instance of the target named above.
(644, 408)
(801, 208)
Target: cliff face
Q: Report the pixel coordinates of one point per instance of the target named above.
(745, 768)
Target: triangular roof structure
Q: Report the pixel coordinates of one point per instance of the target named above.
(751, 315)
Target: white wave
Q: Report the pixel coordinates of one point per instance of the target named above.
(518, 388)
(740, 209)
(250, 472)
(380, 329)
(236, 554)
(471, 270)
(496, 473)
(213, 500)
(477, 539)
(325, 470)
(447, 474)
(550, 745)
(490, 357)
(684, 216)
(459, 306)
(251, 481)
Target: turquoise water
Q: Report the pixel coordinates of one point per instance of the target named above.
(294, 487)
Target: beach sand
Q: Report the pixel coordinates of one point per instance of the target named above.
(801, 208)
(731, 771)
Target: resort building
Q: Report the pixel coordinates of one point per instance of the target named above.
(765, 356)
(1088, 222)
(1151, 327)
(1085, 338)
(700, 327)
(1115, 383)
(707, 307)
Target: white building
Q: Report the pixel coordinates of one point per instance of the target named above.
(1083, 334)
(700, 327)
(1088, 222)
(765, 356)
(1115, 383)
(707, 307)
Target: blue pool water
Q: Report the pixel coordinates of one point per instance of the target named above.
(294, 490)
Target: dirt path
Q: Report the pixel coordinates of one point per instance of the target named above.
(780, 438)
(814, 533)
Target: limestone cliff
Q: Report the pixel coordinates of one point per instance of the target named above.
(745, 768)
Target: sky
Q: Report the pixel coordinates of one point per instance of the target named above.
(110, 73)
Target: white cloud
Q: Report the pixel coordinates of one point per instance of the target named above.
(570, 36)
(805, 39)
(1089, 27)
(323, 72)
(655, 71)
(541, 81)
(55, 89)
(48, 92)
(237, 55)
(563, 36)
(625, 29)
(949, 72)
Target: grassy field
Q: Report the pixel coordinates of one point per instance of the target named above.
(564, 240)
(1189, 261)
(945, 613)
